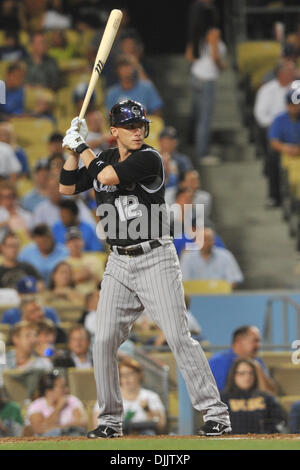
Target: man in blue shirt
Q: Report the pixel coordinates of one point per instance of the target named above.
(284, 138)
(14, 80)
(44, 254)
(245, 343)
(131, 87)
(69, 218)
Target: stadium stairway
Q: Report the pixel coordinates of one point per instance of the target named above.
(258, 237)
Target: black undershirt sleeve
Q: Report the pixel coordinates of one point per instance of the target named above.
(141, 166)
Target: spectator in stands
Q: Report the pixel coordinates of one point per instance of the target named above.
(55, 144)
(78, 96)
(48, 211)
(12, 15)
(210, 262)
(98, 139)
(15, 94)
(131, 87)
(12, 50)
(284, 138)
(251, 409)
(205, 51)
(45, 338)
(7, 135)
(55, 17)
(69, 218)
(12, 216)
(171, 171)
(90, 311)
(44, 105)
(22, 356)
(294, 418)
(78, 353)
(144, 412)
(30, 307)
(10, 166)
(245, 344)
(43, 253)
(168, 142)
(61, 286)
(12, 270)
(55, 163)
(42, 70)
(59, 47)
(130, 44)
(11, 419)
(270, 101)
(87, 269)
(39, 192)
(54, 412)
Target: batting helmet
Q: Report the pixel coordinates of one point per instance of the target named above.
(127, 112)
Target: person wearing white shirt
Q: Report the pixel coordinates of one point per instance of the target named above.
(9, 164)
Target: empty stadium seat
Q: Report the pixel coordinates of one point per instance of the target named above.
(156, 126)
(32, 131)
(287, 378)
(207, 287)
(287, 401)
(275, 358)
(82, 384)
(253, 54)
(21, 384)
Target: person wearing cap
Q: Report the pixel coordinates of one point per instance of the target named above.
(87, 269)
(39, 192)
(168, 142)
(69, 218)
(27, 289)
(284, 138)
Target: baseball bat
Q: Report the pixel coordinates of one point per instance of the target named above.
(105, 46)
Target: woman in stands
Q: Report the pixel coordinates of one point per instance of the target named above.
(61, 286)
(55, 412)
(144, 412)
(251, 410)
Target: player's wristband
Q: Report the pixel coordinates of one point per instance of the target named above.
(81, 148)
(68, 177)
(95, 167)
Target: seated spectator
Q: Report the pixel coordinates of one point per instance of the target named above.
(15, 95)
(171, 172)
(87, 269)
(270, 101)
(78, 96)
(78, 353)
(246, 344)
(39, 192)
(48, 211)
(88, 318)
(12, 50)
(45, 338)
(7, 135)
(284, 138)
(55, 18)
(130, 44)
(55, 163)
(183, 240)
(54, 412)
(294, 418)
(168, 142)
(11, 419)
(12, 15)
(12, 270)
(210, 262)
(22, 356)
(69, 213)
(12, 216)
(130, 86)
(61, 286)
(43, 253)
(59, 47)
(42, 69)
(44, 105)
(98, 139)
(251, 409)
(55, 144)
(27, 289)
(10, 166)
(144, 412)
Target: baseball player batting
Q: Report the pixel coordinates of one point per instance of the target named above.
(142, 271)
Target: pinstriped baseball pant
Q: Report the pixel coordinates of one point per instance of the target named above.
(152, 282)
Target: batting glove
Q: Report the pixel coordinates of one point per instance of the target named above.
(74, 141)
(80, 126)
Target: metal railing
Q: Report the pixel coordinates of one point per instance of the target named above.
(269, 320)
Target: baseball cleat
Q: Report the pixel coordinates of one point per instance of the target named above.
(213, 428)
(104, 432)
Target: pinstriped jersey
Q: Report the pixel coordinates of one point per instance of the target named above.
(134, 210)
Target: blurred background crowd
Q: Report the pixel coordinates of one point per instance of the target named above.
(52, 262)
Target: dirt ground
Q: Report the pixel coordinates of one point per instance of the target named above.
(7, 440)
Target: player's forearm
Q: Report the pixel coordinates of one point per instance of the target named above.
(71, 165)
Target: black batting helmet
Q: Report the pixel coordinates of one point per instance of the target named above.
(127, 112)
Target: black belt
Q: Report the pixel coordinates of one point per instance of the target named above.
(137, 250)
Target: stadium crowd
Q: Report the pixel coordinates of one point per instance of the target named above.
(50, 255)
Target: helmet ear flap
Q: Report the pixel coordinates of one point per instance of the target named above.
(147, 129)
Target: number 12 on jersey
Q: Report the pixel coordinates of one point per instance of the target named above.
(127, 207)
